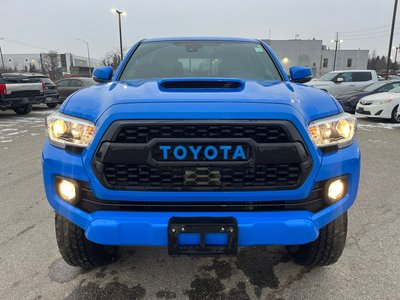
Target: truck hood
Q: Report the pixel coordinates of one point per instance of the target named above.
(92, 102)
(318, 83)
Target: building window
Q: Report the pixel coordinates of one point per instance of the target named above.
(325, 63)
(349, 62)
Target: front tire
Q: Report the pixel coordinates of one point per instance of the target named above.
(23, 109)
(395, 117)
(77, 250)
(326, 249)
(51, 105)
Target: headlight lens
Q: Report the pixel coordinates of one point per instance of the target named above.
(382, 101)
(65, 130)
(338, 130)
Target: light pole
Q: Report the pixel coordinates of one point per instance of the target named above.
(120, 13)
(88, 55)
(336, 41)
(391, 38)
(1, 54)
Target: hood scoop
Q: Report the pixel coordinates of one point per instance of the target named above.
(201, 84)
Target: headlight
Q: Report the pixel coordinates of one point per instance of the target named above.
(382, 101)
(65, 130)
(338, 130)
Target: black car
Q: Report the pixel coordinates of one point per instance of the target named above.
(67, 86)
(349, 101)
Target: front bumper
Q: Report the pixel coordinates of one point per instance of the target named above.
(383, 111)
(150, 228)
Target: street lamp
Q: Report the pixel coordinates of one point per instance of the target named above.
(337, 42)
(88, 55)
(120, 13)
(1, 54)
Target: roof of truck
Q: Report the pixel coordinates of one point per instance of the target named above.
(228, 39)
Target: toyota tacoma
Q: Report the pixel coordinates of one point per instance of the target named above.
(203, 146)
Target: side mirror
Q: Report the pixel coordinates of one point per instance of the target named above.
(102, 74)
(300, 74)
(339, 80)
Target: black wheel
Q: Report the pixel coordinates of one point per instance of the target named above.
(395, 117)
(51, 105)
(77, 250)
(326, 249)
(23, 109)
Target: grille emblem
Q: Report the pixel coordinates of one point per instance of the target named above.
(202, 176)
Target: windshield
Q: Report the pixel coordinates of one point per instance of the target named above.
(372, 87)
(395, 90)
(245, 60)
(329, 76)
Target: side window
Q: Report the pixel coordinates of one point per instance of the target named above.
(63, 83)
(349, 62)
(362, 76)
(76, 83)
(347, 77)
(325, 63)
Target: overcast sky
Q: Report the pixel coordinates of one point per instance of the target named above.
(33, 26)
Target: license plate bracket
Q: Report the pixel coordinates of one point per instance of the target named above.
(202, 226)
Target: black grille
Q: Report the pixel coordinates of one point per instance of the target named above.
(129, 156)
(259, 133)
(178, 177)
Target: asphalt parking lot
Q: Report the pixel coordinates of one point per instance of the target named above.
(31, 266)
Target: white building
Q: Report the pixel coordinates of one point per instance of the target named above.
(313, 54)
(22, 62)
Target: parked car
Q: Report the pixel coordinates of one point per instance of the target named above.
(350, 100)
(156, 155)
(51, 96)
(380, 106)
(18, 92)
(68, 86)
(340, 82)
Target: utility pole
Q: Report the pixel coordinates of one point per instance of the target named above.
(1, 54)
(391, 38)
(41, 63)
(88, 55)
(120, 13)
(336, 41)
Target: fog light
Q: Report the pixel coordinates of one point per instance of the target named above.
(336, 190)
(67, 190)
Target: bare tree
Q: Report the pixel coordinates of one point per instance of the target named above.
(113, 58)
(51, 64)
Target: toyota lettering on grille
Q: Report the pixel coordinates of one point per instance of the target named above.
(204, 152)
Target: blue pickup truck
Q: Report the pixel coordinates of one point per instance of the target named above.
(201, 145)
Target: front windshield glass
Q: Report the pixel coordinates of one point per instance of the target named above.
(374, 86)
(177, 59)
(329, 76)
(395, 90)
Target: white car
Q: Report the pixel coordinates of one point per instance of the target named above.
(382, 105)
(341, 82)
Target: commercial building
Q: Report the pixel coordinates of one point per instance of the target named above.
(68, 63)
(313, 54)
